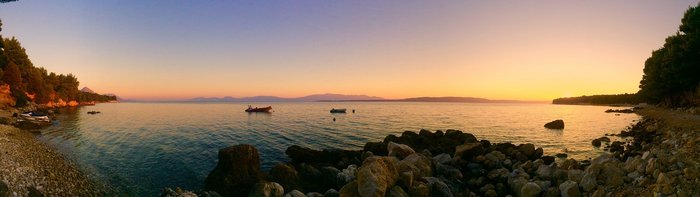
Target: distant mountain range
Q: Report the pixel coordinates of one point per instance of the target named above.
(309, 98)
(86, 89)
(353, 98)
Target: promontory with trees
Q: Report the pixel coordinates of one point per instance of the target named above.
(671, 75)
(21, 82)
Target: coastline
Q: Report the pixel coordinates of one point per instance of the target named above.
(657, 157)
(29, 167)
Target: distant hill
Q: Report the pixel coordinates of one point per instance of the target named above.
(309, 98)
(86, 89)
(446, 99)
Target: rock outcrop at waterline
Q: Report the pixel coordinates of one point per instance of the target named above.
(454, 163)
(557, 124)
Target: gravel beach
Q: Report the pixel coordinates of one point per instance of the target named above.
(31, 168)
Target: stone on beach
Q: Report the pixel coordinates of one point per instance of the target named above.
(286, 175)
(399, 150)
(376, 176)
(267, 189)
(236, 172)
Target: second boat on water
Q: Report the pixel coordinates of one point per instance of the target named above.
(334, 110)
(258, 109)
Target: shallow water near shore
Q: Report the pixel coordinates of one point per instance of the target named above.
(139, 148)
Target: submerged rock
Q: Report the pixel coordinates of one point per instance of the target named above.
(557, 124)
(237, 171)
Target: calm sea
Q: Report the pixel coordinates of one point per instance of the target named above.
(139, 148)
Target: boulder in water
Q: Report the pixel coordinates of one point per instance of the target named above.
(557, 124)
(237, 171)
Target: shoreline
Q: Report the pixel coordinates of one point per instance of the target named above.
(29, 167)
(657, 157)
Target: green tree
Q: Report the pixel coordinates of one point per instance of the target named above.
(12, 76)
(671, 73)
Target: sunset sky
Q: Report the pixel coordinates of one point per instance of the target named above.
(168, 50)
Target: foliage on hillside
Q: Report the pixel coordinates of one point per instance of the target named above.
(672, 73)
(600, 99)
(30, 83)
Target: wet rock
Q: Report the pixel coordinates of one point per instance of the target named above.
(267, 189)
(418, 164)
(575, 175)
(331, 193)
(376, 175)
(530, 189)
(527, 149)
(546, 171)
(419, 189)
(588, 182)
(690, 173)
(347, 175)
(4, 189)
(469, 150)
(287, 176)
(442, 158)
(598, 193)
(314, 194)
(236, 172)
(448, 171)
(349, 190)
(616, 147)
(329, 176)
(437, 187)
(570, 164)
(569, 189)
(295, 193)
(397, 191)
(557, 124)
(548, 159)
(399, 150)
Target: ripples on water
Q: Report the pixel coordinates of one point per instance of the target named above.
(139, 148)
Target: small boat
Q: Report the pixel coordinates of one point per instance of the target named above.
(334, 110)
(93, 112)
(258, 109)
(34, 116)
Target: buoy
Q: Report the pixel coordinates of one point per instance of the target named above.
(333, 119)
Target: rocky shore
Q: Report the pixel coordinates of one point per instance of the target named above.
(30, 168)
(657, 158)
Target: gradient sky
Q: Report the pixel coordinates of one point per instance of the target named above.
(527, 50)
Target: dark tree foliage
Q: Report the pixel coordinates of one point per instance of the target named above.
(6, 1)
(600, 99)
(672, 73)
(24, 78)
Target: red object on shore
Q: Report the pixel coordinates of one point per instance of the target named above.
(261, 109)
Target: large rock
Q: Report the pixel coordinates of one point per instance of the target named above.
(418, 164)
(295, 193)
(530, 189)
(349, 190)
(267, 189)
(469, 150)
(557, 124)
(347, 175)
(438, 188)
(376, 176)
(399, 150)
(527, 149)
(569, 189)
(396, 191)
(236, 172)
(287, 176)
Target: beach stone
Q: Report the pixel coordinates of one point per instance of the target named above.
(556, 124)
(516, 183)
(295, 193)
(546, 171)
(236, 172)
(598, 193)
(347, 175)
(469, 150)
(267, 189)
(569, 189)
(575, 175)
(4, 189)
(552, 192)
(530, 189)
(419, 189)
(376, 175)
(406, 179)
(527, 149)
(547, 159)
(287, 176)
(33, 192)
(209, 194)
(314, 194)
(419, 164)
(690, 173)
(613, 174)
(569, 164)
(588, 182)
(399, 150)
(349, 190)
(448, 171)
(329, 175)
(442, 158)
(331, 193)
(397, 191)
(437, 187)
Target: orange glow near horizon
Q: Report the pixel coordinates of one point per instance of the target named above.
(511, 50)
